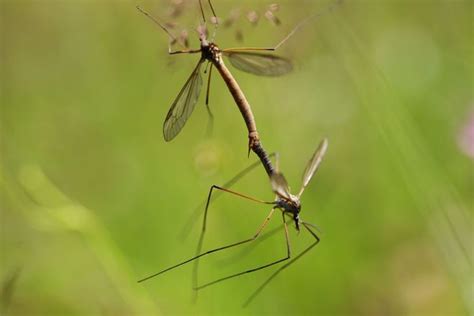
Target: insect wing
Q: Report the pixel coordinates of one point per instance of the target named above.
(313, 164)
(280, 186)
(183, 106)
(261, 64)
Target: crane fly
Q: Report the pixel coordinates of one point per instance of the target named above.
(251, 60)
(255, 60)
(285, 201)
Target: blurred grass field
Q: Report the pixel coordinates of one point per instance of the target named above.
(93, 199)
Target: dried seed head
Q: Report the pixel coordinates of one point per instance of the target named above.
(253, 17)
(272, 18)
(239, 36)
(233, 17)
(184, 38)
(170, 25)
(202, 31)
(176, 8)
(215, 20)
(227, 23)
(274, 7)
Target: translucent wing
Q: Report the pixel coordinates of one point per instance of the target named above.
(313, 164)
(261, 64)
(184, 104)
(280, 186)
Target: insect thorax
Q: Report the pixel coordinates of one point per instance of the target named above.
(210, 51)
(289, 206)
(293, 207)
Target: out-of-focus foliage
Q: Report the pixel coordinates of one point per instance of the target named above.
(93, 199)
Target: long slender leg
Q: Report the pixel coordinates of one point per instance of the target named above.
(215, 22)
(196, 263)
(197, 210)
(211, 116)
(208, 89)
(184, 51)
(288, 255)
(232, 192)
(254, 294)
(204, 223)
(245, 251)
(215, 249)
(209, 133)
(156, 22)
(173, 38)
(209, 198)
(248, 249)
(202, 10)
(212, 8)
(316, 15)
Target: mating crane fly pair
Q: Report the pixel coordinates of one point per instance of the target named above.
(260, 62)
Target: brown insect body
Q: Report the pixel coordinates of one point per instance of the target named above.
(212, 53)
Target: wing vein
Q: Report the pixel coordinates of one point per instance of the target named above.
(183, 105)
(257, 63)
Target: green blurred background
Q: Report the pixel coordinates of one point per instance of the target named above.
(93, 198)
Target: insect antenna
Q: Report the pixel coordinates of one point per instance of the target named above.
(313, 226)
(173, 39)
(316, 15)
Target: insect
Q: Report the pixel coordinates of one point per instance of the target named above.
(258, 61)
(255, 60)
(286, 202)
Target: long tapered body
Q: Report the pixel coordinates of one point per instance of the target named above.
(239, 99)
(255, 145)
